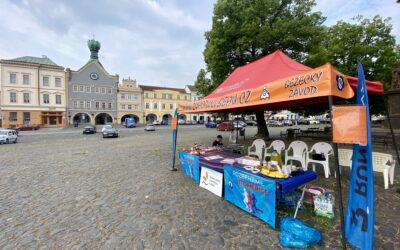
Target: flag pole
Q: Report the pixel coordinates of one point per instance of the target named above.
(338, 179)
(174, 139)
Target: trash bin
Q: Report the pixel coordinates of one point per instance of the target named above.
(290, 133)
(242, 131)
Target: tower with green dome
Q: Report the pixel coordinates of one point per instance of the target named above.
(94, 47)
(92, 91)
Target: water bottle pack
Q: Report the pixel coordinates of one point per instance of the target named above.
(324, 205)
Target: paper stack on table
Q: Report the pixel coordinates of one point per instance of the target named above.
(213, 157)
(246, 161)
(228, 161)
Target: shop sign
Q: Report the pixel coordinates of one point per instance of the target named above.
(349, 124)
(211, 180)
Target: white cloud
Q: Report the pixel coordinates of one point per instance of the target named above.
(154, 41)
(345, 10)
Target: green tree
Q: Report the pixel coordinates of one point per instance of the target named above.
(369, 41)
(245, 30)
(203, 84)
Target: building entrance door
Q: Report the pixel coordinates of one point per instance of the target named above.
(53, 120)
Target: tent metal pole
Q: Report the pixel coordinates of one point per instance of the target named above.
(391, 131)
(237, 129)
(338, 179)
(175, 140)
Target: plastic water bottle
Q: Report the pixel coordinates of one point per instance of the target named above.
(276, 157)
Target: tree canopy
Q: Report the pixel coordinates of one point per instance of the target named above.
(368, 41)
(245, 30)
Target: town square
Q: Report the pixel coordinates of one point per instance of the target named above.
(261, 124)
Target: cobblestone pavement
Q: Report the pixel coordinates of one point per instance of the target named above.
(70, 191)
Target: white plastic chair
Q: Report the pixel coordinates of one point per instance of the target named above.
(277, 145)
(381, 162)
(384, 163)
(300, 150)
(258, 145)
(321, 148)
(345, 156)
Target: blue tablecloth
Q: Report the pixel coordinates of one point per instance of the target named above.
(287, 184)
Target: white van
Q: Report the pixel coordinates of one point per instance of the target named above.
(8, 135)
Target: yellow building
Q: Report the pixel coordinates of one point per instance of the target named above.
(160, 102)
(32, 91)
(130, 102)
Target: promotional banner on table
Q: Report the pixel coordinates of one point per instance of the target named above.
(254, 194)
(360, 216)
(212, 180)
(321, 81)
(190, 165)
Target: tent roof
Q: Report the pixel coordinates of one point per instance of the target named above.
(286, 84)
(266, 69)
(273, 67)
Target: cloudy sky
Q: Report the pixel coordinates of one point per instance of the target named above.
(156, 42)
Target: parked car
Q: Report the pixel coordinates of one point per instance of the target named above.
(110, 132)
(273, 123)
(237, 125)
(288, 123)
(164, 122)
(241, 123)
(211, 125)
(251, 123)
(194, 122)
(312, 122)
(378, 118)
(303, 122)
(181, 122)
(106, 127)
(27, 127)
(8, 135)
(188, 122)
(156, 123)
(89, 130)
(225, 126)
(130, 122)
(200, 121)
(149, 127)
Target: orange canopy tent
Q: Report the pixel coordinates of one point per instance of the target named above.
(276, 81)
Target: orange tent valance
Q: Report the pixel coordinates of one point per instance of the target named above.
(313, 83)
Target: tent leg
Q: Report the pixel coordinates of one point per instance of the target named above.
(391, 131)
(338, 180)
(237, 130)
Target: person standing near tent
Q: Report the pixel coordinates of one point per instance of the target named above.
(218, 141)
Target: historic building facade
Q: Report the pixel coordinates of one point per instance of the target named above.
(194, 96)
(32, 91)
(92, 92)
(160, 102)
(130, 102)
